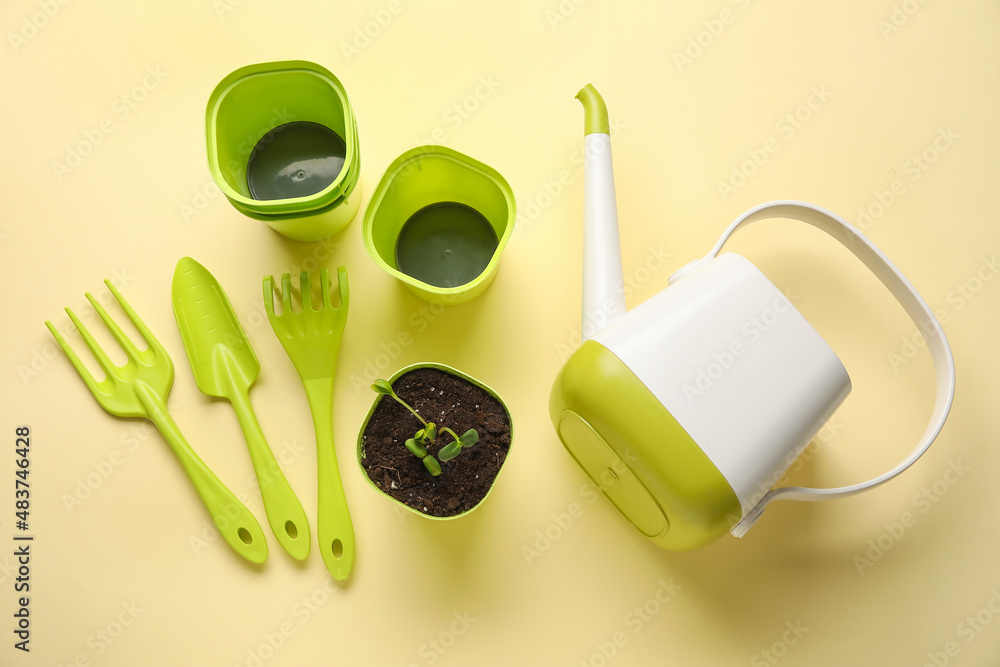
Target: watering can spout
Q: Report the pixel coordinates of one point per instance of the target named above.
(596, 118)
(603, 282)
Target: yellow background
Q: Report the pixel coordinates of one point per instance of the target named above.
(893, 75)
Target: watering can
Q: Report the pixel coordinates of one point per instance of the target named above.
(688, 409)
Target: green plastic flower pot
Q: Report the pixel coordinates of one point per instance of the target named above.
(244, 111)
(451, 371)
(427, 176)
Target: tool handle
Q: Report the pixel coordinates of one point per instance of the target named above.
(334, 529)
(284, 511)
(235, 522)
(911, 301)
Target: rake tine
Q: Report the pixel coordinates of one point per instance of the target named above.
(286, 294)
(88, 379)
(102, 358)
(136, 320)
(305, 290)
(325, 280)
(116, 331)
(345, 292)
(269, 295)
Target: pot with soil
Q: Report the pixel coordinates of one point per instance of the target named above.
(434, 440)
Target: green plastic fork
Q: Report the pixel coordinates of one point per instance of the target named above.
(311, 337)
(139, 389)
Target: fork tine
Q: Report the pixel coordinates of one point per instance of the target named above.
(269, 295)
(345, 292)
(305, 291)
(102, 358)
(136, 320)
(116, 331)
(325, 279)
(286, 294)
(88, 379)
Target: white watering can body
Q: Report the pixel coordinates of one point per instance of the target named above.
(688, 409)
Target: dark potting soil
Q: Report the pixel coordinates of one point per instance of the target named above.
(448, 401)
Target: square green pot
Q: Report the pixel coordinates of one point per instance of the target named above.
(253, 101)
(430, 175)
(451, 371)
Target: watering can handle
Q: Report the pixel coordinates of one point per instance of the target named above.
(904, 293)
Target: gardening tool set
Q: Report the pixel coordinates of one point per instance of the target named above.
(686, 410)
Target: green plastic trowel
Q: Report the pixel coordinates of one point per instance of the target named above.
(224, 365)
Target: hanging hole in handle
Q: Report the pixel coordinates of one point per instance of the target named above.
(291, 530)
(337, 547)
(245, 536)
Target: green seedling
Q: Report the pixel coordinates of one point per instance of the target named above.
(426, 435)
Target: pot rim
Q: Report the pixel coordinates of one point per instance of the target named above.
(457, 373)
(345, 180)
(435, 151)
